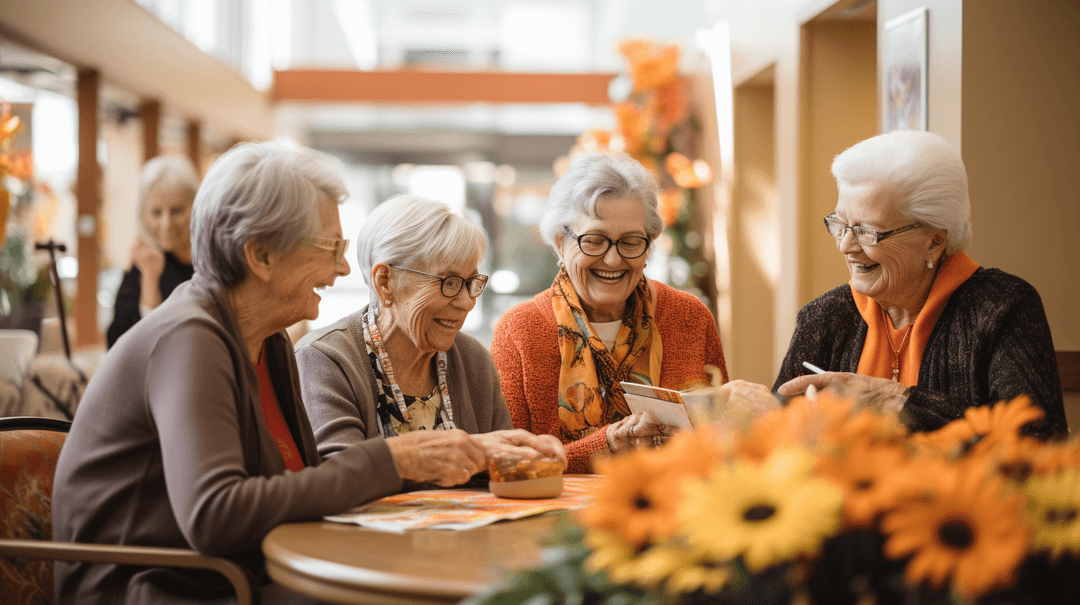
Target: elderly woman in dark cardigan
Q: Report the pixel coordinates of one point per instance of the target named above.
(401, 365)
(191, 433)
(921, 326)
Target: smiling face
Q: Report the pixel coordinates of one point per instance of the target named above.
(306, 269)
(426, 317)
(604, 283)
(893, 272)
(167, 217)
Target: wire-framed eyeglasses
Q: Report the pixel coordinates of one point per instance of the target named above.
(594, 244)
(868, 237)
(339, 246)
(452, 284)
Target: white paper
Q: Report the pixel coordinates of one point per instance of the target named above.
(665, 412)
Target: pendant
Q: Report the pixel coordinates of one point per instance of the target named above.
(896, 373)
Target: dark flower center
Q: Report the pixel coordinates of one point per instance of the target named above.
(760, 512)
(1017, 471)
(956, 534)
(864, 485)
(1061, 517)
(642, 502)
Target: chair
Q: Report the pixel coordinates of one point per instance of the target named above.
(18, 348)
(29, 449)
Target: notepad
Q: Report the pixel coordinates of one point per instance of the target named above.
(668, 407)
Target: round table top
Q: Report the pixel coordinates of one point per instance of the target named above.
(347, 563)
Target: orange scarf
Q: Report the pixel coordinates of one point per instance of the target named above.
(877, 353)
(589, 392)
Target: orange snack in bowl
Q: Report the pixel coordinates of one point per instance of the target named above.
(505, 468)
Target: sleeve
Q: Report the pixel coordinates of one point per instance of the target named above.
(331, 402)
(1020, 360)
(801, 341)
(714, 349)
(508, 359)
(500, 413)
(192, 395)
(126, 309)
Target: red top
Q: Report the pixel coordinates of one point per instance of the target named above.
(275, 420)
(526, 353)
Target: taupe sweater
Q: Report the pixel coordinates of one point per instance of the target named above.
(991, 342)
(339, 388)
(169, 448)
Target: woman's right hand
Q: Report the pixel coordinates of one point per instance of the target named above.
(147, 257)
(445, 458)
(636, 430)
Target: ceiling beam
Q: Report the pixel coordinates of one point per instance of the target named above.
(414, 86)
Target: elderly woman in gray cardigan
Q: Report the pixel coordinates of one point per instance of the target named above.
(400, 365)
(191, 432)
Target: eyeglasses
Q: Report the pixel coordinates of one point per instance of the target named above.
(867, 237)
(452, 284)
(594, 244)
(339, 246)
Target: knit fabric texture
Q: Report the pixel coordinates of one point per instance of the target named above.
(991, 343)
(526, 352)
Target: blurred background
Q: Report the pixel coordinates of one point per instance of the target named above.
(737, 105)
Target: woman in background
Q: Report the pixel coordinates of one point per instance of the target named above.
(161, 253)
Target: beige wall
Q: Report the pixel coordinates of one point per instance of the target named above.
(840, 109)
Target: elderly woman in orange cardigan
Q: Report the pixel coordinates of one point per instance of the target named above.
(561, 356)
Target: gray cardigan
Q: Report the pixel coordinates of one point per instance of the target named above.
(169, 448)
(339, 388)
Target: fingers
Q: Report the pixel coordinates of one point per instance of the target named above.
(797, 386)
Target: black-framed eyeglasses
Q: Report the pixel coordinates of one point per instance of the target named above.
(452, 284)
(867, 237)
(339, 246)
(594, 244)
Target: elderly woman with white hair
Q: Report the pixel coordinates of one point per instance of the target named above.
(192, 433)
(562, 355)
(921, 326)
(161, 252)
(401, 365)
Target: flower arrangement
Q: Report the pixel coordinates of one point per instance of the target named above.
(655, 127)
(826, 501)
(18, 165)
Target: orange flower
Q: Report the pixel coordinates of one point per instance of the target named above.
(865, 426)
(595, 141)
(633, 125)
(801, 423)
(861, 470)
(639, 497)
(686, 173)
(673, 104)
(670, 202)
(984, 428)
(965, 523)
(651, 64)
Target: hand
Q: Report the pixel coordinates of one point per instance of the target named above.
(636, 430)
(742, 396)
(879, 393)
(147, 257)
(445, 458)
(519, 444)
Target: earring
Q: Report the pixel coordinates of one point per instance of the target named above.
(929, 264)
(386, 302)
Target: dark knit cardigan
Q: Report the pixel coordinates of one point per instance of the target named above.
(991, 343)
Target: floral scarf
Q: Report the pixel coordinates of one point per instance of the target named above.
(589, 392)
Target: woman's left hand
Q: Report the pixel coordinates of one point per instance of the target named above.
(521, 445)
(885, 395)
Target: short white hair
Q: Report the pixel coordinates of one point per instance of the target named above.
(923, 175)
(167, 173)
(416, 233)
(590, 177)
(265, 192)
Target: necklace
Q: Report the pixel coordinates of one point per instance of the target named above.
(388, 371)
(895, 350)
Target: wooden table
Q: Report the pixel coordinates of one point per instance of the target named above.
(344, 563)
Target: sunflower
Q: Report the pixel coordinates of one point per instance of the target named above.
(865, 426)
(767, 513)
(638, 498)
(984, 427)
(801, 423)
(1053, 509)
(965, 523)
(861, 470)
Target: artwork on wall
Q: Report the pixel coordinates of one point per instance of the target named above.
(903, 64)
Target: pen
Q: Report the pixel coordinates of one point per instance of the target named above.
(813, 368)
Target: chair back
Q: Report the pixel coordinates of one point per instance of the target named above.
(29, 449)
(17, 350)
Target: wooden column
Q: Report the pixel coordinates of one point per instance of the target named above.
(151, 119)
(88, 195)
(194, 143)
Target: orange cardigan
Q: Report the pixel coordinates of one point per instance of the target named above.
(526, 353)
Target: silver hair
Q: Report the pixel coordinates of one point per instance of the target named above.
(171, 173)
(416, 233)
(265, 192)
(590, 177)
(923, 175)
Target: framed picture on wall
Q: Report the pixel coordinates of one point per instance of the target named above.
(903, 89)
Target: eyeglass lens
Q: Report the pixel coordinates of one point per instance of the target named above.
(452, 285)
(631, 246)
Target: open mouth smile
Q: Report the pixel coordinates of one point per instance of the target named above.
(608, 276)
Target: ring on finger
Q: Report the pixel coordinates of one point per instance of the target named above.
(657, 440)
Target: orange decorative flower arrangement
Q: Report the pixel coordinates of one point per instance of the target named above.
(824, 500)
